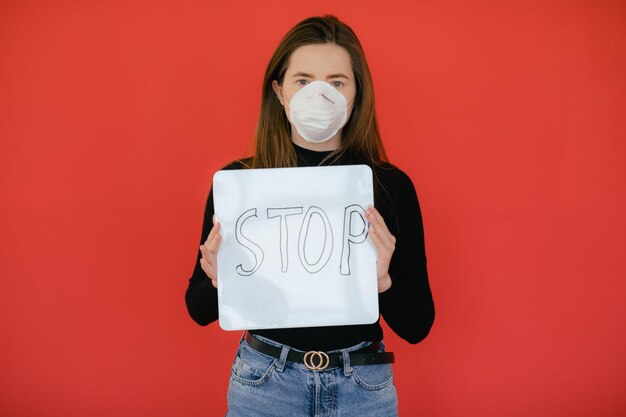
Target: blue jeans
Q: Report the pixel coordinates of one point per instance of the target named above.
(264, 386)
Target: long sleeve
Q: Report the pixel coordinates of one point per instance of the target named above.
(201, 295)
(407, 306)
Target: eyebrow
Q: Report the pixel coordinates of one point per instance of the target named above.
(303, 74)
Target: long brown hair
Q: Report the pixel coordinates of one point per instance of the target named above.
(360, 138)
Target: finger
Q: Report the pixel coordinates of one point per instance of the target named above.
(379, 221)
(214, 244)
(205, 248)
(372, 234)
(213, 232)
(382, 259)
(207, 255)
(378, 243)
(205, 266)
(382, 239)
(384, 249)
(211, 260)
(203, 251)
(211, 271)
(381, 228)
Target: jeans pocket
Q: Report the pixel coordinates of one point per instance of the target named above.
(250, 369)
(373, 377)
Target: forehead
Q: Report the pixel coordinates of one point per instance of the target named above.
(320, 60)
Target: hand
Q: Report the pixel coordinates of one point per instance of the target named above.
(385, 244)
(208, 262)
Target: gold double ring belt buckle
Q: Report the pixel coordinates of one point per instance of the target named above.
(316, 360)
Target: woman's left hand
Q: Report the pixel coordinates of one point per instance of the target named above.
(385, 244)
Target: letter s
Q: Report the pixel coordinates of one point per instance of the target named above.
(254, 248)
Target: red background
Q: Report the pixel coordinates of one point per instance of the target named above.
(508, 116)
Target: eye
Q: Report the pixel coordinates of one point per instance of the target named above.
(336, 84)
(301, 84)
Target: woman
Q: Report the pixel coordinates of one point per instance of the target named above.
(318, 109)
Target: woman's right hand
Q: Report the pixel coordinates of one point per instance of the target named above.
(208, 262)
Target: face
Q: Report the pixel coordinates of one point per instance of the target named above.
(327, 62)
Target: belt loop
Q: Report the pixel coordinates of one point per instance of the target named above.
(280, 365)
(347, 369)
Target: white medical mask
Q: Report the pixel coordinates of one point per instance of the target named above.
(318, 111)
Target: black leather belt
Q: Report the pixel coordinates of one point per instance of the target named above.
(318, 360)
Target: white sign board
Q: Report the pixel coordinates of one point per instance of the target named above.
(294, 249)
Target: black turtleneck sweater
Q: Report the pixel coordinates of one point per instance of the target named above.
(407, 306)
